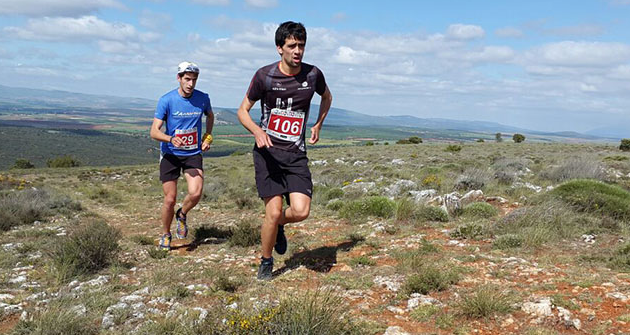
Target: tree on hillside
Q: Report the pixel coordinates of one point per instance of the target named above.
(498, 138)
(22, 163)
(625, 144)
(415, 139)
(62, 162)
(518, 138)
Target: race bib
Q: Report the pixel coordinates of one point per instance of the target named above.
(189, 138)
(285, 124)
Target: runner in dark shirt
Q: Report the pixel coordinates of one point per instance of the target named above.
(285, 90)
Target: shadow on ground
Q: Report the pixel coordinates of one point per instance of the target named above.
(321, 259)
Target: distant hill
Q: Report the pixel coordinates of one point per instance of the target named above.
(19, 99)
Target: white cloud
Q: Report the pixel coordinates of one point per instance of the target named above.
(262, 3)
(84, 28)
(339, 17)
(118, 47)
(464, 32)
(509, 32)
(56, 7)
(347, 55)
(621, 72)
(570, 53)
(497, 54)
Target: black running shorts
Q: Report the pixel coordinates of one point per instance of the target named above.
(171, 165)
(280, 172)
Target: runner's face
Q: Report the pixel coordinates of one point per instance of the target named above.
(292, 51)
(187, 83)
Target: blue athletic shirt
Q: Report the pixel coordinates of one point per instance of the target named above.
(182, 118)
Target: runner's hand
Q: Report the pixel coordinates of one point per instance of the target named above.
(314, 135)
(262, 139)
(176, 141)
(205, 146)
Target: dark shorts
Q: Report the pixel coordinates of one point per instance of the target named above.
(171, 165)
(280, 172)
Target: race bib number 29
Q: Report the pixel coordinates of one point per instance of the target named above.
(189, 138)
(286, 125)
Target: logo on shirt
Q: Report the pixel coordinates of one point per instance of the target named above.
(278, 87)
(186, 114)
(304, 86)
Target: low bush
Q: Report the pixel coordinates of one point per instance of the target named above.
(246, 233)
(621, 258)
(86, 250)
(507, 241)
(471, 230)
(374, 205)
(485, 302)
(56, 320)
(480, 210)
(576, 168)
(430, 278)
(473, 179)
(27, 206)
(595, 197)
(63, 162)
(430, 213)
(453, 148)
(22, 163)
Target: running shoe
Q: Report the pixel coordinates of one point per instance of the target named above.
(182, 228)
(281, 241)
(165, 242)
(265, 271)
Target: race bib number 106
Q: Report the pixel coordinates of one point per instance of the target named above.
(189, 138)
(286, 125)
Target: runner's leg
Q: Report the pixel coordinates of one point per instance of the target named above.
(269, 229)
(168, 206)
(299, 209)
(194, 180)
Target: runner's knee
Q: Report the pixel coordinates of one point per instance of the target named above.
(300, 214)
(274, 215)
(170, 200)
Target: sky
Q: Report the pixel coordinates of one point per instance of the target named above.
(545, 65)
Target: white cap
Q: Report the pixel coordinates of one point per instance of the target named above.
(187, 67)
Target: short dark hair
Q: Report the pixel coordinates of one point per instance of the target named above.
(290, 29)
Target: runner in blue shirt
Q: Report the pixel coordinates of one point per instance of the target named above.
(180, 111)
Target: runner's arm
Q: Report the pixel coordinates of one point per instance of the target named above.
(159, 135)
(324, 107)
(209, 127)
(262, 139)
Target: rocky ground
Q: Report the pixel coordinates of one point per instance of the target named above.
(549, 289)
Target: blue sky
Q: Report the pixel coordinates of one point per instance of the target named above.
(544, 65)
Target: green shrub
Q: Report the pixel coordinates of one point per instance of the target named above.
(453, 148)
(333, 193)
(470, 230)
(430, 278)
(375, 205)
(507, 241)
(22, 163)
(157, 253)
(63, 162)
(595, 197)
(518, 138)
(424, 313)
(335, 205)
(431, 213)
(621, 258)
(27, 206)
(88, 249)
(56, 320)
(576, 168)
(314, 312)
(405, 209)
(485, 302)
(224, 282)
(625, 144)
(480, 210)
(415, 140)
(246, 233)
(473, 179)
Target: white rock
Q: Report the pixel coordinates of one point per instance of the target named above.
(423, 196)
(360, 163)
(472, 196)
(541, 307)
(395, 330)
